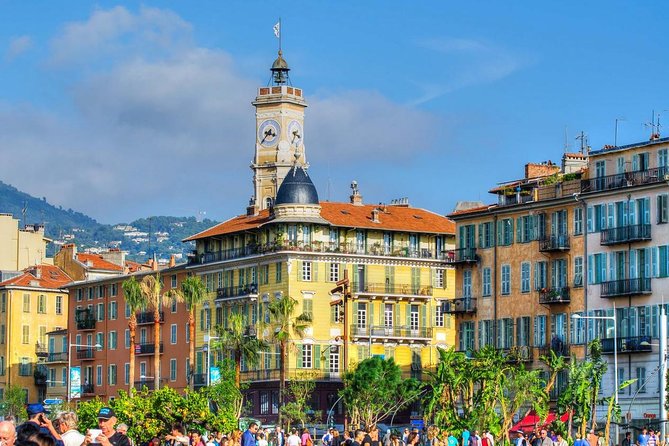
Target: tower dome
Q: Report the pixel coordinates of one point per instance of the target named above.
(296, 188)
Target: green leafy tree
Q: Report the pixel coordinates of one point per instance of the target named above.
(575, 398)
(597, 371)
(132, 293)
(375, 390)
(285, 325)
(613, 409)
(192, 292)
(299, 393)
(152, 288)
(520, 388)
(226, 397)
(241, 342)
(14, 403)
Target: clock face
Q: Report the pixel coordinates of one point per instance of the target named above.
(295, 135)
(268, 132)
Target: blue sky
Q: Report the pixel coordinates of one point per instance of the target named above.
(124, 110)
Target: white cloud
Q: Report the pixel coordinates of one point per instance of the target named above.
(471, 62)
(172, 131)
(17, 46)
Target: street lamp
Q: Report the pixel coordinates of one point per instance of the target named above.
(208, 339)
(69, 363)
(615, 354)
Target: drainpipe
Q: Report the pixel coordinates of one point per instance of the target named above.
(494, 282)
(584, 206)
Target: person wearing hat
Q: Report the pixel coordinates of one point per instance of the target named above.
(521, 441)
(37, 417)
(108, 436)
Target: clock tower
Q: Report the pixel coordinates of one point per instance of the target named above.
(279, 135)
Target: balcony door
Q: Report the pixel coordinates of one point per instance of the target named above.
(361, 318)
(333, 362)
(414, 318)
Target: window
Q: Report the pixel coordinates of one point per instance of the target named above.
(621, 379)
(173, 334)
(577, 327)
(101, 312)
(113, 340)
(486, 235)
(98, 375)
(264, 403)
(540, 331)
(26, 303)
(113, 311)
(111, 375)
(467, 283)
(187, 333)
(100, 339)
(2, 334)
(505, 231)
(277, 272)
(80, 295)
(59, 304)
(25, 334)
(525, 277)
(662, 209)
(41, 304)
(578, 221)
(505, 336)
(127, 311)
(2, 366)
(173, 369)
(540, 272)
(308, 307)
(486, 291)
(113, 290)
(334, 272)
(578, 271)
(173, 281)
(506, 280)
(3, 302)
(127, 338)
(466, 336)
(126, 373)
(336, 315)
(438, 315)
(307, 355)
(264, 274)
(641, 379)
(439, 278)
(306, 271)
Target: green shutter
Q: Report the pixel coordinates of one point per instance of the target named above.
(407, 307)
(370, 316)
(326, 358)
(519, 231)
(317, 356)
(396, 312)
(314, 271)
(481, 241)
(299, 270)
(423, 317)
(298, 348)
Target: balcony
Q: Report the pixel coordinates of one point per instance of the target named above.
(517, 354)
(462, 256)
(397, 333)
(623, 180)
(86, 353)
(85, 319)
(41, 350)
(147, 348)
(147, 317)
(385, 289)
(40, 378)
(554, 243)
(87, 389)
(199, 380)
(57, 357)
(625, 234)
(274, 375)
(626, 287)
(237, 292)
(370, 249)
(461, 305)
(633, 344)
(549, 296)
(559, 347)
(149, 383)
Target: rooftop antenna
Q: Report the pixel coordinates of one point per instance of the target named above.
(584, 142)
(654, 128)
(24, 209)
(615, 135)
(567, 143)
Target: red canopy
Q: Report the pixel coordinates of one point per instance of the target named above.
(532, 421)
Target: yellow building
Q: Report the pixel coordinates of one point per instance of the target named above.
(290, 243)
(21, 248)
(31, 305)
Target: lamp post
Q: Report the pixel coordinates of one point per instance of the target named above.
(69, 363)
(615, 354)
(208, 339)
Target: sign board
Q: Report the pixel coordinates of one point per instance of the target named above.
(52, 401)
(75, 382)
(418, 424)
(650, 416)
(214, 375)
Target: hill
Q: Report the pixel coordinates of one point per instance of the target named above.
(142, 238)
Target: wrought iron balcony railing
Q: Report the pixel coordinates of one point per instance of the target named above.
(626, 287)
(623, 180)
(558, 295)
(403, 289)
(460, 305)
(549, 243)
(631, 344)
(625, 234)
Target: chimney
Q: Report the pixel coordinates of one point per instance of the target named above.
(356, 198)
(173, 261)
(536, 170)
(71, 249)
(38, 272)
(375, 215)
(154, 263)
(251, 209)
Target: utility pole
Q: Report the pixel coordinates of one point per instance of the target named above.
(343, 288)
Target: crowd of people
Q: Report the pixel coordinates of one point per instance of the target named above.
(63, 430)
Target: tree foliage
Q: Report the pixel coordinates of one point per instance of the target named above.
(13, 403)
(241, 342)
(297, 409)
(376, 390)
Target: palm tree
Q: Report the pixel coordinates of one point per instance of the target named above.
(152, 290)
(132, 292)
(193, 292)
(237, 339)
(284, 326)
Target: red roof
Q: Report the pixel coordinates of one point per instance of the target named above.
(50, 277)
(390, 218)
(133, 267)
(472, 210)
(96, 261)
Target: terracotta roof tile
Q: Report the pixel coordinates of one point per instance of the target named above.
(51, 277)
(471, 211)
(97, 262)
(391, 218)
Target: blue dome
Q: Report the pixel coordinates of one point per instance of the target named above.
(296, 188)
